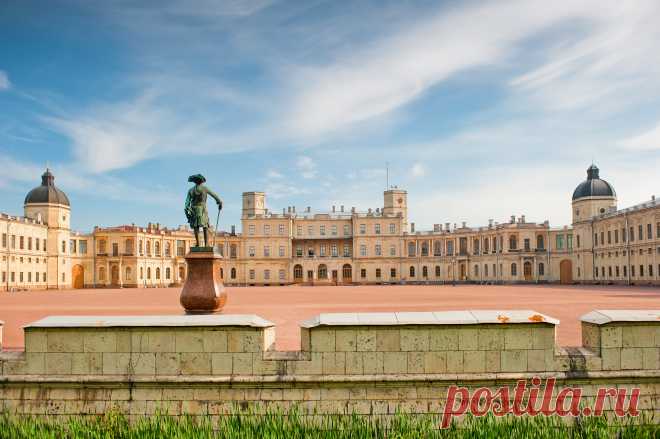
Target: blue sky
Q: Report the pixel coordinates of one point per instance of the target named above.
(482, 109)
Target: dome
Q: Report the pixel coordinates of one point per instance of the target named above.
(47, 192)
(593, 186)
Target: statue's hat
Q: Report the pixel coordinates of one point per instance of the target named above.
(197, 178)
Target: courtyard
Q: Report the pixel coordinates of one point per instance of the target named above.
(289, 305)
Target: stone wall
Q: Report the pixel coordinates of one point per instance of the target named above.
(369, 363)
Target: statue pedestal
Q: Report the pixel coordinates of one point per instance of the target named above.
(203, 291)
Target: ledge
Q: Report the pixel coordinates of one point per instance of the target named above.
(605, 316)
(250, 320)
(473, 317)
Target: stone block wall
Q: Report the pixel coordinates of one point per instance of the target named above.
(368, 363)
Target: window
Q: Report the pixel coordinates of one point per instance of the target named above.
(128, 247)
(147, 244)
(252, 275)
(251, 229)
(282, 252)
(450, 248)
(539, 242)
(322, 229)
(657, 230)
(282, 275)
(141, 272)
(541, 269)
(632, 234)
(392, 250)
(602, 238)
(4, 239)
(299, 230)
(334, 230)
(363, 273)
(486, 270)
(412, 271)
(63, 246)
(393, 228)
(616, 236)
(266, 251)
(514, 269)
(425, 271)
(560, 242)
(266, 229)
(347, 230)
(437, 271)
(437, 248)
(251, 251)
(649, 231)
(299, 251)
(377, 229)
(21, 241)
(616, 269)
(233, 273)
(363, 229)
(266, 274)
(157, 248)
(425, 248)
(168, 273)
(640, 234)
(168, 249)
(595, 239)
(641, 270)
(609, 271)
(310, 230)
(513, 243)
(233, 251)
(411, 249)
(569, 241)
(392, 272)
(527, 244)
(281, 229)
(378, 273)
(609, 237)
(322, 250)
(363, 250)
(347, 251)
(334, 251)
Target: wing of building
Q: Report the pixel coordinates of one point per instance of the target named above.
(340, 246)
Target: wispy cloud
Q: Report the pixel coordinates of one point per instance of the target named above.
(306, 166)
(4, 81)
(418, 170)
(646, 141)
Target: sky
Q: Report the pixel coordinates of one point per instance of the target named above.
(480, 109)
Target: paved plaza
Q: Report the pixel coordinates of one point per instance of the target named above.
(287, 306)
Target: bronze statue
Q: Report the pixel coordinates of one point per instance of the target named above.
(195, 209)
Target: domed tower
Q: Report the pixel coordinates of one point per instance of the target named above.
(592, 197)
(48, 204)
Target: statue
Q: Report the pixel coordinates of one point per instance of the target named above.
(195, 208)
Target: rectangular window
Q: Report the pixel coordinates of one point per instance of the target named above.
(392, 228)
(347, 230)
(310, 230)
(595, 239)
(363, 250)
(641, 270)
(4, 238)
(650, 270)
(640, 233)
(334, 230)
(392, 250)
(377, 229)
(322, 250)
(299, 251)
(266, 229)
(347, 251)
(363, 229)
(72, 246)
(649, 231)
(616, 236)
(569, 241)
(632, 270)
(527, 247)
(450, 248)
(13, 241)
(334, 250)
(560, 242)
(266, 274)
(251, 229)
(282, 275)
(266, 251)
(30, 241)
(392, 272)
(657, 231)
(378, 250)
(378, 273)
(252, 274)
(180, 247)
(602, 238)
(617, 271)
(609, 237)
(322, 230)
(281, 229)
(21, 241)
(63, 246)
(282, 251)
(251, 251)
(299, 230)
(363, 273)
(632, 234)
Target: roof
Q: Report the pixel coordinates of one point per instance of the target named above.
(593, 186)
(47, 192)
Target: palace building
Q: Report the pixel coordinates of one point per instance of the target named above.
(341, 246)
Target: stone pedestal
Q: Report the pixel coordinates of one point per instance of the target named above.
(203, 291)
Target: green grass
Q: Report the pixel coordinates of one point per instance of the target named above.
(274, 425)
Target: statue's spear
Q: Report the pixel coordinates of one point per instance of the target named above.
(215, 231)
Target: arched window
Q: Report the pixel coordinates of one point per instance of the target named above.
(425, 271)
(513, 242)
(148, 272)
(168, 273)
(298, 272)
(539, 242)
(425, 248)
(437, 271)
(514, 269)
(157, 273)
(147, 246)
(412, 271)
(486, 245)
(437, 248)
(346, 271)
(411, 249)
(128, 273)
(157, 248)
(541, 269)
(323, 272)
(141, 272)
(101, 273)
(168, 249)
(233, 273)
(232, 251)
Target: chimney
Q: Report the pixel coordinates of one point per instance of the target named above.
(233, 229)
(436, 227)
(293, 208)
(333, 209)
(283, 211)
(522, 219)
(490, 223)
(353, 209)
(464, 224)
(341, 208)
(412, 227)
(447, 227)
(309, 209)
(369, 211)
(454, 226)
(513, 219)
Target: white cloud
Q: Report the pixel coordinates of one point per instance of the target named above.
(273, 174)
(4, 81)
(418, 170)
(380, 78)
(647, 141)
(306, 166)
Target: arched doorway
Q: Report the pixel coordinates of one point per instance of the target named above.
(462, 271)
(566, 271)
(527, 270)
(322, 272)
(78, 276)
(114, 275)
(298, 273)
(347, 273)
